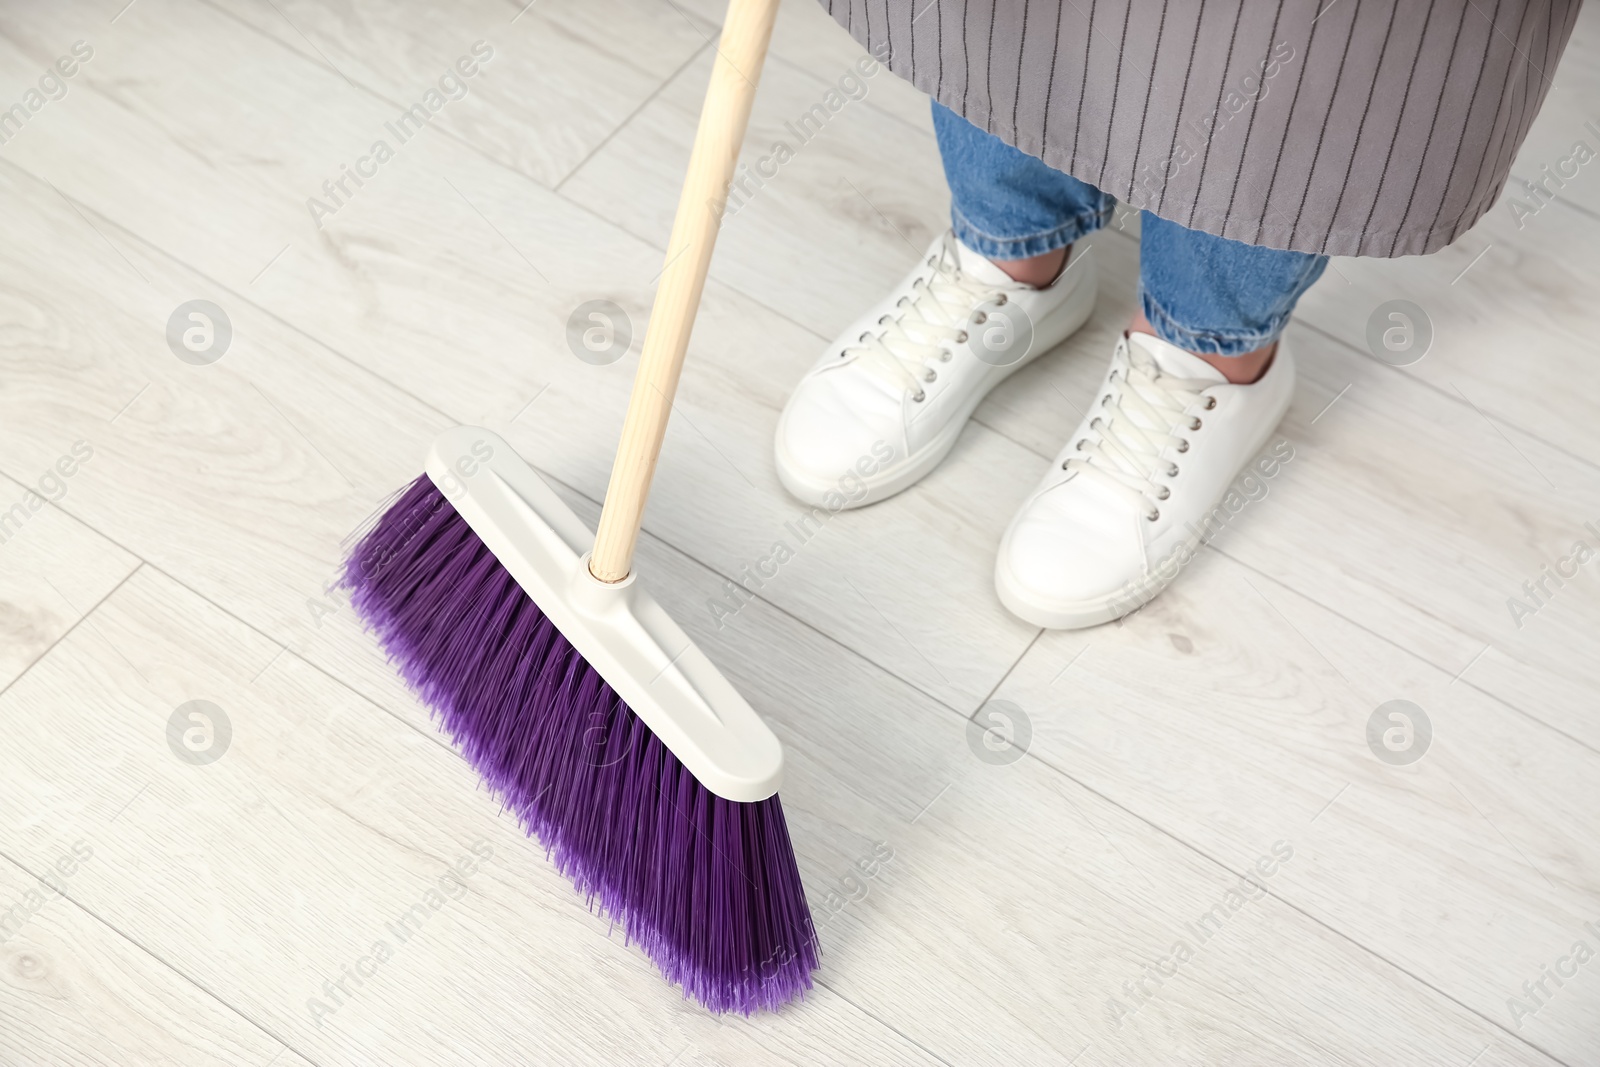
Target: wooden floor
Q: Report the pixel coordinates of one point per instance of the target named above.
(165, 911)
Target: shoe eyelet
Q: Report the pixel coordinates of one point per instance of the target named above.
(863, 338)
(1000, 301)
(944, 357)
(1183, 446)
(961, 338)
(1155, 513)
(1064, 463)
(1079, 446)
(920, 397)
(1211, 402)
(1197, 425)
(1165, 492)
(1173, 473)
(931, 376)
(981, 317)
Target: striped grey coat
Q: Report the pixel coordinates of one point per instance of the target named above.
(1347, 127)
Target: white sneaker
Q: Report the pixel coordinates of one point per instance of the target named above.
(888, 399)
(1125, 504)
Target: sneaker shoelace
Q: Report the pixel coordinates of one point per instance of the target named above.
(1136, 427)
(901, 348)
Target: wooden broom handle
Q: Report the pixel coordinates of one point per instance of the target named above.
(734, 73)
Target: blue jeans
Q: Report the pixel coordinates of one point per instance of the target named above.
(1202, 293)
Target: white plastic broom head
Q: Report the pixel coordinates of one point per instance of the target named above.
(618, 628)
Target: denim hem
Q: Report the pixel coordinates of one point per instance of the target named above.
(1035, 244)
(1210, 342)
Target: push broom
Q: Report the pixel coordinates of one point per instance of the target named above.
(585, 708)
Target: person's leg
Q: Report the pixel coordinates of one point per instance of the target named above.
(887, 400)
(1172, 447)
(1011, 207)
(1222, 300)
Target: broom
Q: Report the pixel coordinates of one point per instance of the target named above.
(584, 707)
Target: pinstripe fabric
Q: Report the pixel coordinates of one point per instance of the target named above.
(1346, 127)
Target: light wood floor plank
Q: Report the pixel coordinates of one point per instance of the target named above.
(421, 272)
(1021, 897)
(279, 865)
(53, 569)
(570, 70)
(323, 816)
(1231, 710)
(73, 991)
(854, 208)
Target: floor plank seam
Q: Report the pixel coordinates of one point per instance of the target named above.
(1349, 939)
(646, 102)
(886, 1025)
(1110, 801)
(156, 249)
(1341, 884)
(298, 654)
(449, 419)
(996, 687)
(1158, 828)
(555, 189)
(463, 142)
(75, 623)
(1358, 624)
(161, 961)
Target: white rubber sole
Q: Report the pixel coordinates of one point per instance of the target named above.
(885, 483)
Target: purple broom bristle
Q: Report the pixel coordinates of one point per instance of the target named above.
(707, 887)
